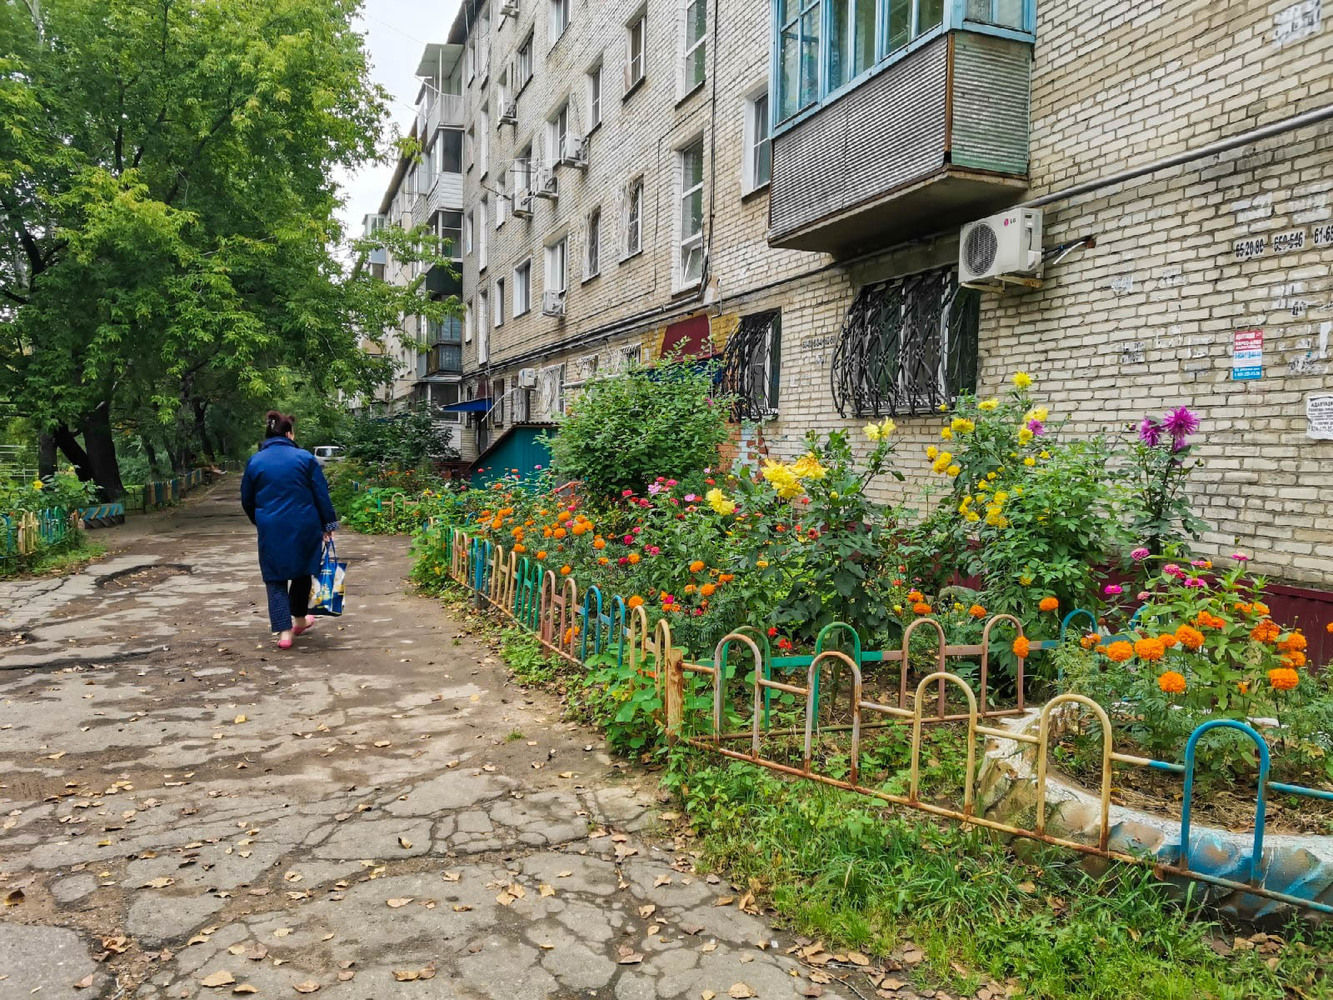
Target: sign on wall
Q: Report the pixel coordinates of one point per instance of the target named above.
(1319, 417)
(1247, 355)
(1298, 21)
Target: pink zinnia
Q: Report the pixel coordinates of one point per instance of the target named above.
(1140, 554)
(1144, 595)
(1171, 569)
(637, 531)
(1114, 588)
(1193, 581)
(627, 493)
(1240, 557)
(690, 498)
(1200, 563)
(623, 560)
(671, 482)
(628, 539)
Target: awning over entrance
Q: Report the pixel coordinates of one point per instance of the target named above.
(468, 406)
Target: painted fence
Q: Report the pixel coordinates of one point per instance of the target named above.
(164, 492)
(25, 533)
(549, 606)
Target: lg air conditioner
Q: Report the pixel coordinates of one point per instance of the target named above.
(523, 205)
(992, 249)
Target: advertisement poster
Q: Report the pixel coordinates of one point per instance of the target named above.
(1247, 355)
(1319, 417)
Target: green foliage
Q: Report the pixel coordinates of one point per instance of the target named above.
(626, 429)
(1157, 507)
(402, 441)
(63, 490)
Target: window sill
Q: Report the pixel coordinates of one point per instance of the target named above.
(595, 127)
(630, 256)
(523, 313)
(755, 192)
(589, 277)
(689, 288)
(691, 92)
(633, 87)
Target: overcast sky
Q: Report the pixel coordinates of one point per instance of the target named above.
(396, 31)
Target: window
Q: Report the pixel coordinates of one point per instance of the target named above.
(523, 64)
(634, 219)
(851, 39)
(636, 52)
(470, 148)
(594, 97)
(499, 318)
(449, 151)
(750, 366)
(798, 53)
(593, 245)
(467, 233)
(757, 170)
(483, 36)
(448, 228)
(483, 316)
(501, 200)
(444, 351)
(444, 394)
(908, 346)
(469, 322)
(557, 135)
(498, 407)
(696, 45)
(523, 169)
(1006, 13)
(559, 19)
(691, 242)
(483, 140)
(470, 58)
(557, 265)
(523, 288)
(482, 235)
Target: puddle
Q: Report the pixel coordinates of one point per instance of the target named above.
(141, 577)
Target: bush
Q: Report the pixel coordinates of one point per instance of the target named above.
(626, 429)
(403, 441)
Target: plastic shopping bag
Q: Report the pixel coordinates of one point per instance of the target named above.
(328, 596)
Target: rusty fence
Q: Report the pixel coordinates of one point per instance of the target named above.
(705, 705)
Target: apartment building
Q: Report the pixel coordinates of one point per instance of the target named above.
(782, 186)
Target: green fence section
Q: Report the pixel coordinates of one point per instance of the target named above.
(24, 534)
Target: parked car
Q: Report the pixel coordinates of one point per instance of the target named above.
(326, 453)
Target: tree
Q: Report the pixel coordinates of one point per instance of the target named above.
(167, 238)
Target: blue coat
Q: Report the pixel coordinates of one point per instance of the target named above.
(285, 495)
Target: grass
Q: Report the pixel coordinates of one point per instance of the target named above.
(63, 561)
(838, 868)
(514, 736)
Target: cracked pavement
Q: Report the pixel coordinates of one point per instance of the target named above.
(186, 811)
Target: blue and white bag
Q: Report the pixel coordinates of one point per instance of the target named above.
(327, 599)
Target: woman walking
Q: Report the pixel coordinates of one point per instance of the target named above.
(286, 497)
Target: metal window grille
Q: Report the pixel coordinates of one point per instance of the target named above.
(908, 346)
(750, 366)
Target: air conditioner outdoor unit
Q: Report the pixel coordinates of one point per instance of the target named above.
(1006, 244)
(553, 303)
(509, 113)
(575, 153)
(509, 8)
(548, 186)
(523, 205)
(527, 378)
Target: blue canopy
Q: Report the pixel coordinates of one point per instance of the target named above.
(481, 405)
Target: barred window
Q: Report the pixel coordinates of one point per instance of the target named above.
(750, 366)
(908, 346)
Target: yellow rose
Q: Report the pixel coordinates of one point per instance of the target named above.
(887, 427)
(872, 432)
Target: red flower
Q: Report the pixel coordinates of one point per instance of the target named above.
(784, 644)
(772, 631)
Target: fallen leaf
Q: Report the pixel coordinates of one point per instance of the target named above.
(633, 958)
(563, 874)
(309, 986)
(282, 932)
(345, 975)
(452, 876)
(661, 880)
(236, 949)
(293, 876)
(546, 890)
(239, 719)
(462, 908)
(257, 952)
(158, 883)
(404, 843)
(428, 972)
(400, 901)
(406, 975)
(810, 990)
(220, 978)
(383, 743)
(710, 946)
(245, 988)
(856, 958)
(13, 897)
(85, 982)
(707, 995)
(740, 991)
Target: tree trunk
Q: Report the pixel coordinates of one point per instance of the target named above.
(69, 444)
(46, 455)
(174, 458)
(102, 453)
(154, 467)
(199, 427)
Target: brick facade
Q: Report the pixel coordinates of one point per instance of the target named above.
(1140, 322)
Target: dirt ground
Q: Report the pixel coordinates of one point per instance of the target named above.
(186, 811)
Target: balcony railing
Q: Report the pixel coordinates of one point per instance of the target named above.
(439, 109)
(445, 359)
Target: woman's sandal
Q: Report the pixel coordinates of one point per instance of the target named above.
(309, 623)
(284, 644)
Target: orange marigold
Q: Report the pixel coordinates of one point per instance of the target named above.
(563, 516)
(541, 554)
(1260, 608)
(977, 611)
(1119, 651)
(915, 595)
(1243, 608)
(1149, 649)
(697, 565)
(1209, 620)
(633, 558)
(498, 523)
(921, 608)
(1190, 637)
(1243, 687)
(1294, 659)
(520, 548)
(579, 528)
(1283, 678)
(1171, 682)
(1022, 647)
(1266, 631)
(566, 570)
(634, 602)
(1329, 628)
(1090, 640)
(1049, 604)
(599, 543)
(1292, 643)
(726, 578)
(602, 561)
(546, 531)
(1168, 639)
(708, 589)
(560, 533)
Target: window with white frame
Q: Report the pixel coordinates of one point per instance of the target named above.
(499, 318)
(594, 88)
(469, 322)
(447, 226)
(636, 51)
(467, 233)
(523, 64)
(470, 147)
(483, 140)
(557, 135)
(470, 58)
(501, 200)
(483, 35)
(557, 265)
(634, 218)
(483, 313)
(691, 220)
(523, 169)
(695, 45)
(498, 406)
(523, 287)
(559, 19)
(592, 245)
(757, 167)
(482, 234)
(449, 155)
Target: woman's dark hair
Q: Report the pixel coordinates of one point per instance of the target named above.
(278, 424)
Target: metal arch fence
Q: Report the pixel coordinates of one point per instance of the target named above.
(546, 604)
(25, 533)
